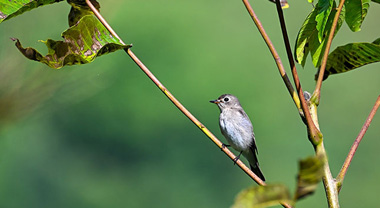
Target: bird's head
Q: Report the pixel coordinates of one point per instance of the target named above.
(226, 101)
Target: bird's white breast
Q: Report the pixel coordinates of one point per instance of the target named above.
(237, 129)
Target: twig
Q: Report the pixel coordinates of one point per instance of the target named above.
(314, 131)
(317, 92)
(355, 145)
(275, 55)
(175, 101)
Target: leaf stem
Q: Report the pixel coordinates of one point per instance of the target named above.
(176, 102)
(355, 145)
(317, 92)
(275, 55)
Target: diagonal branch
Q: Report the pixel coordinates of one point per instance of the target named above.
(275, 55)
(355, 145)
(317, 92)
(176, 102)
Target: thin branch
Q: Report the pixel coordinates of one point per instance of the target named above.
(176, 102)
(355, 145)
(317, 92)
(314, 131)
(275, 55)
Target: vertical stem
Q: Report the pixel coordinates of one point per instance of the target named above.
(328, 180)
(312, 126)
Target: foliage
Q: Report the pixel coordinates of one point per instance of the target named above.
(87, 39)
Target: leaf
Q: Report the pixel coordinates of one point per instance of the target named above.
(262, 196)
(82, 44)
(9, 9)
(319, 48)
(356, 12)
(304, 37)
(310, 174)
(376, 1)
(324, 8)
(308, 40)
(351, 56)
(80, 9)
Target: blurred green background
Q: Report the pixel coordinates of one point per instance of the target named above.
(102, 134)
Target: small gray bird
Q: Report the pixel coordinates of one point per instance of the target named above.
(237, 128)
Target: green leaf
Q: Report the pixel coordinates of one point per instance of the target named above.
(324, 8)
(308, 40)
(9, 9)
(262, 196)
(356, 12)
(351, 56)
(310, 174)
(82, 44)
(307, 33)
(376, 1)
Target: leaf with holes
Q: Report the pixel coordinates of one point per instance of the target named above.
(82, 43)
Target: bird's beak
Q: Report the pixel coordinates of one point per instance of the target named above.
(214, 101)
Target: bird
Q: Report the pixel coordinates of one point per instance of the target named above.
(237, 128)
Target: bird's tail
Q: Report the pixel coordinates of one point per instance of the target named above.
(254, 163)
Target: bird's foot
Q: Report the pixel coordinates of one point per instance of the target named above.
(224, 146)
(237, 158)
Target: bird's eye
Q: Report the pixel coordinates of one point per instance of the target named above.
(226, 99)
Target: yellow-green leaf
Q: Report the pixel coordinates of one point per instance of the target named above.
(262, 196)
(82, 43)
(310, 174)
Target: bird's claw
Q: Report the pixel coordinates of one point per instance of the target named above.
(237, 158)
(224, 146)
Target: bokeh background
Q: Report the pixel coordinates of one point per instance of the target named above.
(102, 134)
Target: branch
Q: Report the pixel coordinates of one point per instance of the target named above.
(314, 133)
(176, 102)
(275, 55)
(355, 145)
(317, 92)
